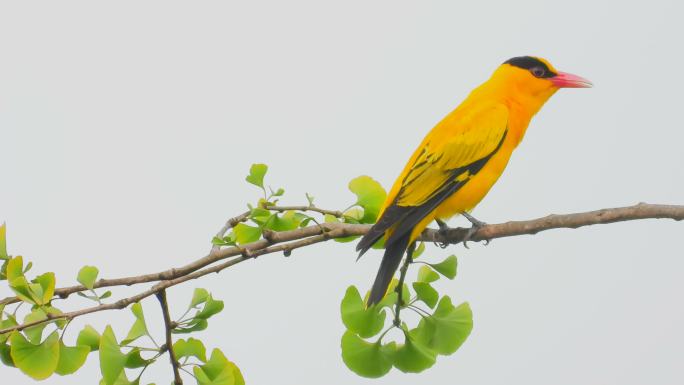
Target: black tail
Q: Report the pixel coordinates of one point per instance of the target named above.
(388, 266)
(392, 215)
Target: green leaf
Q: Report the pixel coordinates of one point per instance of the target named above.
(426, 293)
(426, 274)
(121, 380)
(370, 195)
(112, 361)
(451, 327)
(89, 337)
(87, 276)
(53, 311)
(246, 233)
(366, 359)
(279, 192)
(7, 323)
(305, 222)
(216, 241)
(330, 219)
(218, 371)
(90, 297)
(3, 242)
(5, 355)
(15, 268)
(21, 288)
(191, 347)
(199, 296)
(447, 267)
(14, 271)
(139, 327)
(47, 286)
(40, 291)
(36, 361)
(256, 174)
(355, 213)
(135, 360)
(260, 215)
(192, 326)
(413, 356)
(71, 358)
(288, 221)
(366, 322)
(35, 333)
(405, 292)
(419, 250)
(211, 307)
(3, 271)
(389, 300)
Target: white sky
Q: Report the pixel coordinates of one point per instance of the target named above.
(127, 129)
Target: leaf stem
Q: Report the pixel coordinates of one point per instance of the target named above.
(97, 297)
(61, 337)
(152, 339)
(419, 311)
(143, 349)
(385, 332)
(400, 286)
(189, 372)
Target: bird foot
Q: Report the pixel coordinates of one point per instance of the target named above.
(443, 232)
(476, 225)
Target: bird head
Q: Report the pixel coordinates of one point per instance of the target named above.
(534, 80)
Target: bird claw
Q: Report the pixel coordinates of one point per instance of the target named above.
(443, 232)
(441, 245)
(477, 225)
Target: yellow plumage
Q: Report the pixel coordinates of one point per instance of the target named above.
(462, 157)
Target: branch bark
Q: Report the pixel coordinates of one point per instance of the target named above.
(161, 296)
(287, 241)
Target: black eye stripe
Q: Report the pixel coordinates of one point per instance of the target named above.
(528, 63)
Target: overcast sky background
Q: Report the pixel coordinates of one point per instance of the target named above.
(126, 130)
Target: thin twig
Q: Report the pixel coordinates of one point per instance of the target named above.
(335, 213)
(161, 296)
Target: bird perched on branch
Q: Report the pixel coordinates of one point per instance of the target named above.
(461, 158)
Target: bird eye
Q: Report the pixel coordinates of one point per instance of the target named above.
(538, 72)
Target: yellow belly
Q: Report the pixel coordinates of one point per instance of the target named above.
(468, 196)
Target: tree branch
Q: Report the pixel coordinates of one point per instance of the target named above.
(453, 236)
(161, 296)
(287, 241)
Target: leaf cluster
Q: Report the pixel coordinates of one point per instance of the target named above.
(39, 351)
(265, 216)
(440, 331)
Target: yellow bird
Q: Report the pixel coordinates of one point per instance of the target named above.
(461, 158)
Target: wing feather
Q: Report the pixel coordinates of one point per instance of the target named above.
(454, 143)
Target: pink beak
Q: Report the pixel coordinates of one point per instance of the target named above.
(566, 80)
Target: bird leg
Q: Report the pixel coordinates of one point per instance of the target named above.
(476, 225)
(443, 232)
